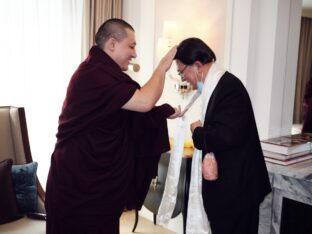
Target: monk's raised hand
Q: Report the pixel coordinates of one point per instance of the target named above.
(166, 62)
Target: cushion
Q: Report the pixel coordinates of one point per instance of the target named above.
(8, 203)
(25, 186)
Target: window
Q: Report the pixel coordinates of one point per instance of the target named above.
(40, 48)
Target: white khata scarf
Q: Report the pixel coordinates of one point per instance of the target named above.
(197, 221)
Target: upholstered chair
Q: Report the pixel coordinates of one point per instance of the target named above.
(15, 149)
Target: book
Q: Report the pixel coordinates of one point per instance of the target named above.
(290, 144)
(279, 156)
(289, 161)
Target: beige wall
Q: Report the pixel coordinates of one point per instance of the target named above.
(256, 40)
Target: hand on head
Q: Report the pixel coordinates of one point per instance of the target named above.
(166, 61)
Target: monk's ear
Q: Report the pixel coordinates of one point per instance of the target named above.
(110, 44)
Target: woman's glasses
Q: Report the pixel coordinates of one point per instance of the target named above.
(181, 73)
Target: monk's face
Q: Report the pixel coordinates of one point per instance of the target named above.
(124, 50)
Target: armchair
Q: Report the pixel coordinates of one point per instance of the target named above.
(14, 144)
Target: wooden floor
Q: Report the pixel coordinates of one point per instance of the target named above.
(144, 226)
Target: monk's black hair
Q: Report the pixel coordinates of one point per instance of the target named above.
(115, 28)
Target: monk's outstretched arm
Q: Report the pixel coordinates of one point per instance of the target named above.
(144, 99)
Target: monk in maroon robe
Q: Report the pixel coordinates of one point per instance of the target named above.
(110, 138)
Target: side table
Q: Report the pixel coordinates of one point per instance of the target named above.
(156, 190)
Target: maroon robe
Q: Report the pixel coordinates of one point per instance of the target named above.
(105, 156)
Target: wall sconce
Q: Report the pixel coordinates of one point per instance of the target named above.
(165, 43)
(170, 32)
(168, 39)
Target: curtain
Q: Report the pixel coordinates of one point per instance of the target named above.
(303, 66)
(94, 14)
(40, 48)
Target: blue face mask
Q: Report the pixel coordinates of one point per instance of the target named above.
(200, 86)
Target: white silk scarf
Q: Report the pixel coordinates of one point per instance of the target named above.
(171, 187)
(197, 222)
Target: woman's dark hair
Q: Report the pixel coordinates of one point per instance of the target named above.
(194, 49)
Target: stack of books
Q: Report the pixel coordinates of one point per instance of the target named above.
(287, 150)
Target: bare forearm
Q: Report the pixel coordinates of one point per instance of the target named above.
(153, 89)
(144, 99)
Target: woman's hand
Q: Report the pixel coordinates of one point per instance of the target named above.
(196, 124)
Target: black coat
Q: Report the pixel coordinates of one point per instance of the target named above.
(230, 132)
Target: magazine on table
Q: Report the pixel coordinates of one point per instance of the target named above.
(289, 161)
(289, 145)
